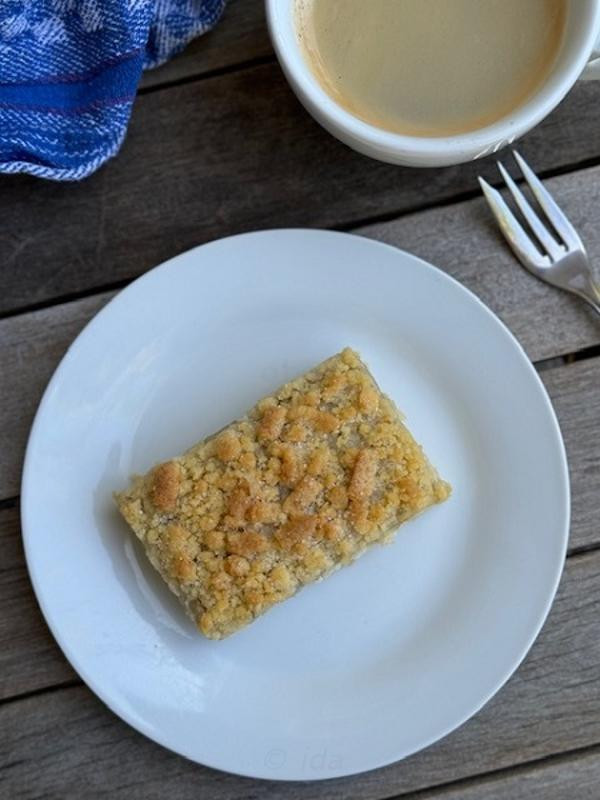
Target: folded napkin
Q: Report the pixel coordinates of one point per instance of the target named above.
(69, 71)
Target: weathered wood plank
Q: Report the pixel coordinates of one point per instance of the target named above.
(222, 155)
(576, 777)
(29, 656)
(575, 393)
(240, 35)
(66, 742)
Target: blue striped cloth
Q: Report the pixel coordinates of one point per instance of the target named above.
(69, 71)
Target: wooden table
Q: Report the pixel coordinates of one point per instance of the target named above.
(218, 144)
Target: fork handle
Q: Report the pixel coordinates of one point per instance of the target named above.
(595, 306)
(591, 294)
(592, 303)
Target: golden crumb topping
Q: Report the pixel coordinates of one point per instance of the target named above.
(271, 423)
(228, 446)
(362, 482)
(165, 486)
(302, 484)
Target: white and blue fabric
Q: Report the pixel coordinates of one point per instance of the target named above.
(69, 71)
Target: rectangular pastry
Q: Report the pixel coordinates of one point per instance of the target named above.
(301, 485)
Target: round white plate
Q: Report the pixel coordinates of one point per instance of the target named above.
(385, 656)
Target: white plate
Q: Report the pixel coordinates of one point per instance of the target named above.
(382, 658)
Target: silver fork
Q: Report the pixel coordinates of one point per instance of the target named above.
(561, 259)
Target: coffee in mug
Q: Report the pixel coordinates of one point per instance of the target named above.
(430, 68)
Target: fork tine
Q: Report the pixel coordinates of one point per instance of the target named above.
(551, 246)
(523, 247)
(559, 221)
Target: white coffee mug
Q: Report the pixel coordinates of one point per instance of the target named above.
(580, 44)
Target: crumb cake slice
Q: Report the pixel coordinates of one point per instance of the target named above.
(303, 484)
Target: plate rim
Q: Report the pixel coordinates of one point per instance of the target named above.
(141, 725)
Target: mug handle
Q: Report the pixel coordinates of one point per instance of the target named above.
(591, 71)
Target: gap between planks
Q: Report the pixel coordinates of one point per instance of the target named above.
(217, 72)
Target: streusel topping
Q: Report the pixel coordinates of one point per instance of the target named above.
(303, 484)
